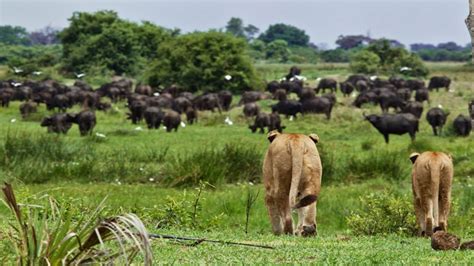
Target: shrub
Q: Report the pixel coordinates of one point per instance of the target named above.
(201, 60)
(232, 163)
(364, 62)
(383, 213)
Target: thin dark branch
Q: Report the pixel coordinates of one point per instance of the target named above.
(200, 240)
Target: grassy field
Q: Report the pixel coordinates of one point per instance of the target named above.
(137, 170)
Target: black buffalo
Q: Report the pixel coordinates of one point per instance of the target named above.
(225, 98)
(439, 82)
(398, 124)
(251, 109)
(422, 95)
(414, 108)
(58, 123)
(288, 108)
(327, 83)
(462, 125)
(172, 120)
(318, 105)
(346, 88)
(436, 118)
(86, 121)
(153, 117)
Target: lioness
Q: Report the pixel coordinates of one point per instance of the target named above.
(432, 176)
(292, 178)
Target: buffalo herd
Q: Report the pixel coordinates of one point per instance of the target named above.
(165, 107)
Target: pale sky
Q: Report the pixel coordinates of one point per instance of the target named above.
(408, 21)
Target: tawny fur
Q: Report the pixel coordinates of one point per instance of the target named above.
(292, 177)
(432, 176)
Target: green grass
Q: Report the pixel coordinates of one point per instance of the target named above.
(135, 167)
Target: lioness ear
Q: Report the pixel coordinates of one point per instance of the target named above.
(314, 137)
(272, 135)
(413, 157)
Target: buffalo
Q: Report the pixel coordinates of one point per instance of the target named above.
(86, 121)
(439, 82)
(153, 117)
(288, 108)
(398, 124)
(137, 111)
(414, 108)
(58, 123)
(172, 120)
(346, 88)
(462, 125)
(262, 120)
(436, 118)
(251, 109)
(27, 108)
(422, 95)
(318, 105)
(225, 99)
(327, 83)
(390, 99)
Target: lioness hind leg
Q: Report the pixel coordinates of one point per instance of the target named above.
(420, 216)
(285, 212)
(275, 217)
(428, 211)
(444, 208)
(307, 221)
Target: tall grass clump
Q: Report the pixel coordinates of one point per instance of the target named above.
(328, 162)
(378, 163)
(41, 158)
(46, 234)
(233, 163)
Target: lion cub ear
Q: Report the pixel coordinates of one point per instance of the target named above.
(413, 157)
(314, 137)
(272, 135)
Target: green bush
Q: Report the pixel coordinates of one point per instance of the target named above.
(365, 62)
(201, 60)
(383, 213)
(233, 163)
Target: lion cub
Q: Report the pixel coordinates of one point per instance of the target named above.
(292, 178)
(432, 176)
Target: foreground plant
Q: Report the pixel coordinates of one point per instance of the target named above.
(44, 234)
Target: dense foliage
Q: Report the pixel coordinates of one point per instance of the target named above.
(103, 39)
(200, 61)
(291, 34)
(382, 57)
(14, 35)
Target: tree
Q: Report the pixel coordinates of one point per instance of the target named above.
(278, 50)
(201, 60)
(104, 40)
(390, 60)
(470, 25)
(46, 36)
(450, 46)
(291, 34)
(14, 35)
(235, 26)
(352, 41)
(251, 31)
(415, 47)
(365, 62)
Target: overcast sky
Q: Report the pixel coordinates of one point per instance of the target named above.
(408, 21)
